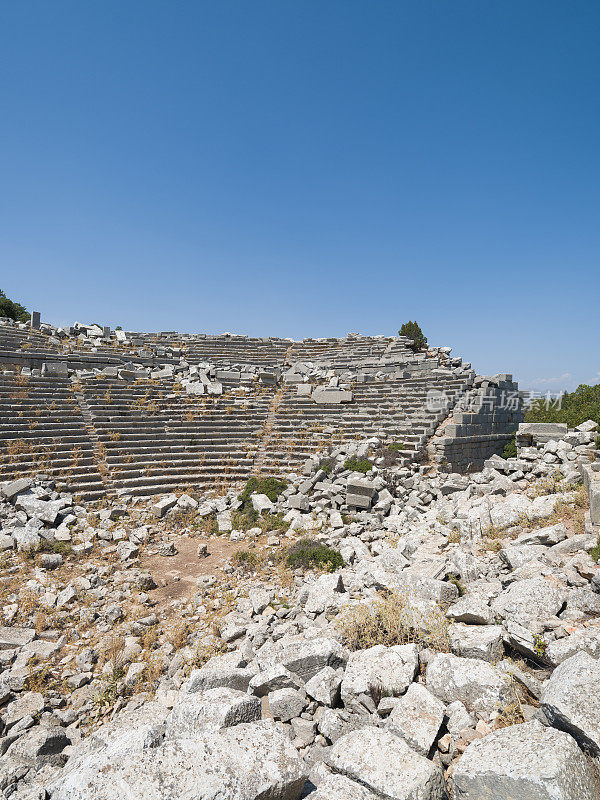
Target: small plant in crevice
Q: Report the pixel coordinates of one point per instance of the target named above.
(510, 448)
(460, 586)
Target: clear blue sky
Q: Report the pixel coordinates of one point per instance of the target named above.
(308, 168)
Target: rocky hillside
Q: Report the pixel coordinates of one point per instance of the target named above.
(365, 630)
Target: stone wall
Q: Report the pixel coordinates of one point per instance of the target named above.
(480, 426)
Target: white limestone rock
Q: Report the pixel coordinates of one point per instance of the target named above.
(525, 762)
(215, 709)
(392, 669)
(384, 764)
(472, 609)
(304, 655)
(571, 700)
(250, 761)
(338, 787)
(585, 639)
(226, 670)
(417, 718)
(324, 687)
(529, 601)
(476, 641)
(477, 684)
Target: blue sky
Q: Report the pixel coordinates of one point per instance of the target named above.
(308, 168)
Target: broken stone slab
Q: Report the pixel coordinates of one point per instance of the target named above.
(359, 492)
(324, 687)
(476, 641)
(541, 432)
(287, 704)
(272, 679)
(166, 503)
(384, 764)
(324, 593)
(525, 761)
(553, 534)
(13, 488)
(44, 510)
(40, 746)
(427, 589)
(15, 637)
(360, 486)
(477, 684)
(55, 369)
(331, 395)
(528, 601)
(299, 502)
(224, 522)
(27, 704)
(303, 656)
(472, 609)
(261, 503)
(227, 670)
(389, 670)
(571, 700)
(585, 639)
(215, 709)
(417, 718)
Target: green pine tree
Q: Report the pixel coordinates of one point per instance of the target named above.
(12, 310)
(413, 331)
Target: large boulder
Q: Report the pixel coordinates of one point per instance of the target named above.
(303, 656)
(390, 670)
(325, 593)
(477, 641)
(386, 765)
(585, 639)
(227, 670)
(525, 762)
(215, 709)
(529, 601)
(571, 700)
(251, 761)
(417, 718)
(477, 684)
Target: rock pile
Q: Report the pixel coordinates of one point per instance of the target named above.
(448, 645)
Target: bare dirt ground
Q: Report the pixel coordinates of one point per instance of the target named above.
(176, 576)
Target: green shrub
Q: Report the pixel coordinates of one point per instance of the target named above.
(398, 446)
(327, 464)
(510, 448)
(413, 331)
(356, 465)
(597, 442)
(576, 407)
(595, 551)
(13, 310)
(309, 553)
(270, 486)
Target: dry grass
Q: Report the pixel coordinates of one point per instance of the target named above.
(393, 620)
(178, 635)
